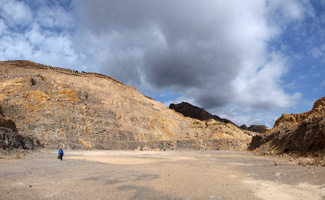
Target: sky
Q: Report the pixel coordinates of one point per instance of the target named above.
(246, 60)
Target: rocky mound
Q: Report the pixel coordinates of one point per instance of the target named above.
(92, 111)
(296, 134)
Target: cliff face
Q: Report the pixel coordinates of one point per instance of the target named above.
(10, 139)
(300, 134)
(89, 110)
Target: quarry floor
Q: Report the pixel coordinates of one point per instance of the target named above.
(157, 175)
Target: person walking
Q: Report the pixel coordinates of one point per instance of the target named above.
(61, 153)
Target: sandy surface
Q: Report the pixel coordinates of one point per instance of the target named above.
(158, 175)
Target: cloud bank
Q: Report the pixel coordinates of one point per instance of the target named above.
(41, 31)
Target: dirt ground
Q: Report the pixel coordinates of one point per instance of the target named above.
(157, 175)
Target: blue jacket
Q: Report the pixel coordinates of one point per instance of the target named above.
(60, 151)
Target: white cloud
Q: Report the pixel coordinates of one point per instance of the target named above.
(284, 12)
(15, 47)
(37, 38)
(3, 28)
(318, 51)
(60, 47)
(55, 17)
(16, 13)
(320, 87)
(261, 88)
(34, 35)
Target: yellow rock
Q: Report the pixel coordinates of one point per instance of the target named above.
(68, 95)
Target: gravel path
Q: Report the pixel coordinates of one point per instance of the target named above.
(157, 175)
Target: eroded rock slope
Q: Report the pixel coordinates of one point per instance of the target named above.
(89, 110)
(296, 134)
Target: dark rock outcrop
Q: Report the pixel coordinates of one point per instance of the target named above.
(8, 124)
(244, 127)
(255, 128)
(188, 110)
(10, 139)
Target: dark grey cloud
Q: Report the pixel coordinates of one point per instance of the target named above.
(182, 45)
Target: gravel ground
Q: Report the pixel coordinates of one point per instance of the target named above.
(157, 175)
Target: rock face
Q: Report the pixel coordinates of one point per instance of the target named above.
(7, 123)
(10, 139)
(88, 110)
(299, 134)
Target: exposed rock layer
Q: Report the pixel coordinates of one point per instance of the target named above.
(10, 139)
(89, 110)
(298, 134)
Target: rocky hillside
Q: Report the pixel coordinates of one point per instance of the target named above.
(296, 134)
(88, 110)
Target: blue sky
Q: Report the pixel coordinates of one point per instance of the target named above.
(249, 61)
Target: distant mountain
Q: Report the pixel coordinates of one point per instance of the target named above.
(188, 110)
(255, 128)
